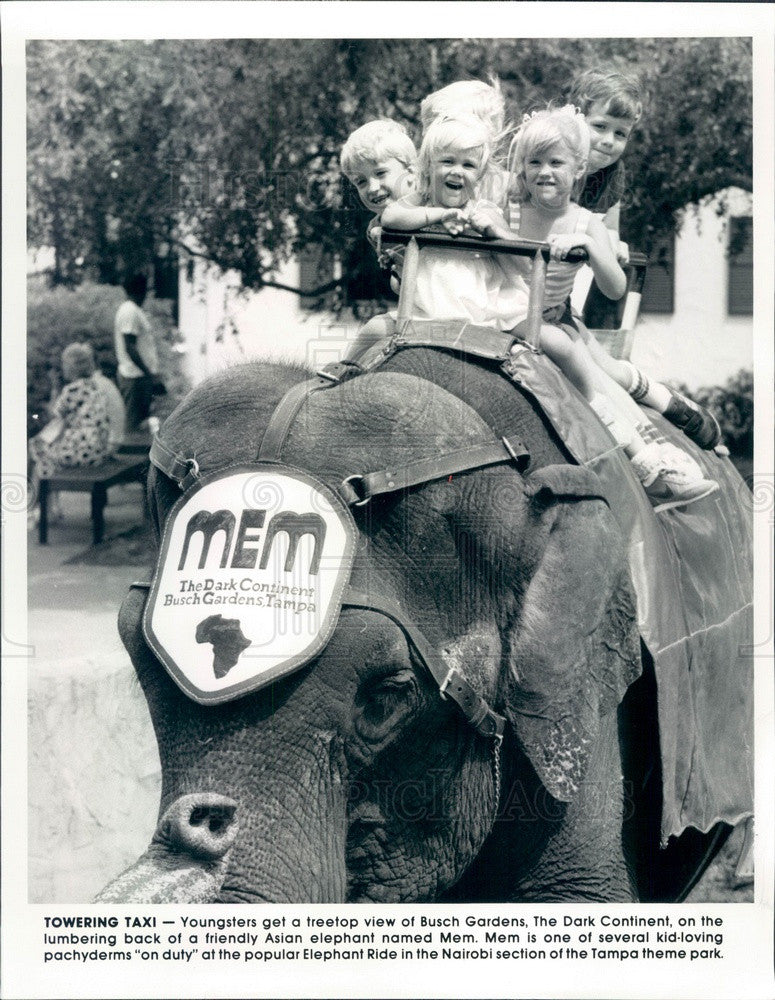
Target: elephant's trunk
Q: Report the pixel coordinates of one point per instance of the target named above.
(195, 856)
(188, 856)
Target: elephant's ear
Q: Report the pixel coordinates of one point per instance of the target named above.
(574, 643)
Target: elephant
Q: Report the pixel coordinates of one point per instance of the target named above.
(350, 779)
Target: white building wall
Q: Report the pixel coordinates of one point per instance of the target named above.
(220, 325)
(699, 343)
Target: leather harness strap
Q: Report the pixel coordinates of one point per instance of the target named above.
(183, 471)
(357, 490)
(478, 341)
(285, 412)
(451, 682)
(481, 341)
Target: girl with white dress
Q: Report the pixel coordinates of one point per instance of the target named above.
(455, 163)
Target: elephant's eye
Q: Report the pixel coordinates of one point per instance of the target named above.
(383, 703)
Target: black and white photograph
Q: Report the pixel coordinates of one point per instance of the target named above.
(380, 444)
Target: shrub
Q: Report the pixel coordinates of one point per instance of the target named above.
(59, 316)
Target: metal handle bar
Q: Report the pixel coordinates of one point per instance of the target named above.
(437, 238)
(517, 247)
(415, 240)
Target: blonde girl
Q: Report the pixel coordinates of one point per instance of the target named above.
(484, 101)
(454, 164)
(547, 164)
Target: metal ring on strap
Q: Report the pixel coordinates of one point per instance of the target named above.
(452, 685)
(182, 470)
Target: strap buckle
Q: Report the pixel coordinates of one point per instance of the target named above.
(358, 492)
(520, 345)
(191, 475)
(339, 371)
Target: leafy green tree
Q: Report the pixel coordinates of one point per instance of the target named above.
(97, 117)
(230, 148)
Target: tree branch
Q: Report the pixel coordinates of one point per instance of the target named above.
(303, 293)
(312, 293)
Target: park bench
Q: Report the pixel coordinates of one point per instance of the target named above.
(93, 479)
(135, 444)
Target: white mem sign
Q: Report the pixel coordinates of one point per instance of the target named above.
(250, 579)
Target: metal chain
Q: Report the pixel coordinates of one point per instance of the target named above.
(496, 770)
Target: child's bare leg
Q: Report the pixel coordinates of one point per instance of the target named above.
(571, 357)
(670, 478)
(574, 359)
(630, 378)
(625, 374)
(378, 328)
(669, 475)
(623, 404)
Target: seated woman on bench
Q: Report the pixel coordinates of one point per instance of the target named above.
(78, 433)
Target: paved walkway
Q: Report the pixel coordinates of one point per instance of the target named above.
(93, 766)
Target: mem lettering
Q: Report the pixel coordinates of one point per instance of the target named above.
(246, 546)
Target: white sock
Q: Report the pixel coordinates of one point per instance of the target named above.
(622, 434)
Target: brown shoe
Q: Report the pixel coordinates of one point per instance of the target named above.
(695, 421)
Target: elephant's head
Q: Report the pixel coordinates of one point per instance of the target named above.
(351, 779)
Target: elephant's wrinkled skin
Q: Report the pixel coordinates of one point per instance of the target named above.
(351, 779)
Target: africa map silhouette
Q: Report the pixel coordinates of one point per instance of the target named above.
(227, 639)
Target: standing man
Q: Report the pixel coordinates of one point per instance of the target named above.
(138, 361)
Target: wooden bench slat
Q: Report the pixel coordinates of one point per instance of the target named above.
(93, 479)
(135, 444)
(108, 473)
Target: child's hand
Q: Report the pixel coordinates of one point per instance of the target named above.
(489, 221)
(562, 243)
(623, 253)
(483, 218)
(454, 221)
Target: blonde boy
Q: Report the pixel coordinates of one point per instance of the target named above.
(379, 160)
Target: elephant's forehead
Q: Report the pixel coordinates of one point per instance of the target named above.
(384, 414)
(222, 420)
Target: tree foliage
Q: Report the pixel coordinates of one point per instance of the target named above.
(230, 148)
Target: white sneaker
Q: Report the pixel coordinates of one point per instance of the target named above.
(670, 483)
(676, 458)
